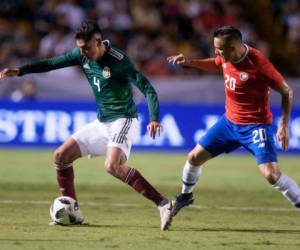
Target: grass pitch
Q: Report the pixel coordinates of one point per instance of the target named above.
(235, 208)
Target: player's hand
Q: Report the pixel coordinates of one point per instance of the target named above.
(154, 129)
(283, 135)
(8, 73)
(178, 59)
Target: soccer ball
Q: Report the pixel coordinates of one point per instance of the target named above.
(65, 211)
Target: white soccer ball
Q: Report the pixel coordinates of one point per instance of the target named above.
(65, 211)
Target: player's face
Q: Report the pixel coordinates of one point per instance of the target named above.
(92, 49)
(224, 49)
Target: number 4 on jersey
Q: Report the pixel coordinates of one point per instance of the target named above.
(97, 83)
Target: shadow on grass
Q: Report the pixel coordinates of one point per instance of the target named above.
(88, 225)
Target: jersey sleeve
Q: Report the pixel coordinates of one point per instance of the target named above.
(267, 69)
(218, 61)
(70, 58)
(143, 84)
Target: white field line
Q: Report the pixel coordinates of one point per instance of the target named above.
(128, 205)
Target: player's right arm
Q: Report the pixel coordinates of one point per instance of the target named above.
(70, 58)
(286, 93)
(276, 81)
(207, 64)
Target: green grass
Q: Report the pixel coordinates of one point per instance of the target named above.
(235, 208)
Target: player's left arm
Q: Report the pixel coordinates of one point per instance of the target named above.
(286, 93)
(277, 82)
(142, 83)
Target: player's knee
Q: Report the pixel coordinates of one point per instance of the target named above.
(271, 175)
(111, 167)
(198, 156)
(60, 157)
(194, 159)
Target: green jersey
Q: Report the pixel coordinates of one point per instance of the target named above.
(110, 78)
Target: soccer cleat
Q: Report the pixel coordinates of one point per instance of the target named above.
(182, 200)
(165, 210)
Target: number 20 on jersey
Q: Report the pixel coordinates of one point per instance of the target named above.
(230, 82)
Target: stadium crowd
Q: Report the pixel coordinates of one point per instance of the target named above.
(148, 30)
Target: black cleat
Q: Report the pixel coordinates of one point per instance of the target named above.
(182, 200)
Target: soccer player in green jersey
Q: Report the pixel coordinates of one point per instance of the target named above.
(109, 73)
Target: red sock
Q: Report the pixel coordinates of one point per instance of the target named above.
(142, 186)
(65, 179)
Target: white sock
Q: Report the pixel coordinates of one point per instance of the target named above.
(289, 189)
(190, 176)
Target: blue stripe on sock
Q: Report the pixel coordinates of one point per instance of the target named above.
(188, 183)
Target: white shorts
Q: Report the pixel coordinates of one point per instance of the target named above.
(94, 138)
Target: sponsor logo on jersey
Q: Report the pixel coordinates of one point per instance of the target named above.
(244, 76)
(86, 66)
(106, 72)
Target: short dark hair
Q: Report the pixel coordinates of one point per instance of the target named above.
(228, 33)
(87, 30)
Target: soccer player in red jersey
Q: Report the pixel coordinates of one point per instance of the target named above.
(248, 76)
